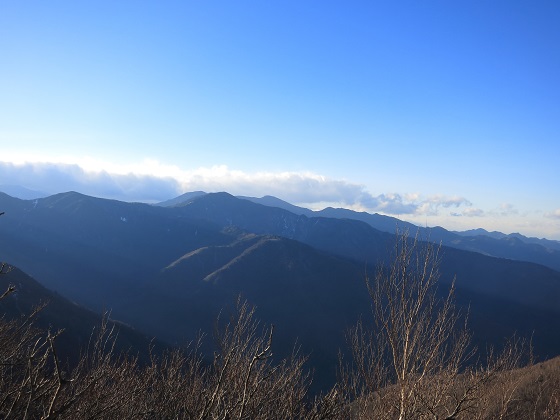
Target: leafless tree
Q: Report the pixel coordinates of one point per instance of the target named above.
(407, 365)
(417, 332)
(416, 361)
(245, 382)
(242, 382)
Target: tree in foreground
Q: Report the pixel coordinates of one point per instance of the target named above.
(416, 361)
(242, 382)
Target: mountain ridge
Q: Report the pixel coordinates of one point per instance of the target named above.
(170, 271)
(528, 249)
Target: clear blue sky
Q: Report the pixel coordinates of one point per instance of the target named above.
(437, 112)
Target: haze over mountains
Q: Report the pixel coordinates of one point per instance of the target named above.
(169, 270)
(498, 244)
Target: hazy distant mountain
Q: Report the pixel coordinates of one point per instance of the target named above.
(271, 201)
(169, 270)
(509, 247)
(547, 243)
(497, 244)
(383, 223)
(22, 192)
(180, 199)
(481, 232)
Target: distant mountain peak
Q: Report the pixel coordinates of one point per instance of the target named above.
(181, 199)
(23, 193)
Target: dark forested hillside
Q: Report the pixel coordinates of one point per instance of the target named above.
(54, 313)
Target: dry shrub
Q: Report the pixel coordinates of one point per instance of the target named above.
(243, 381)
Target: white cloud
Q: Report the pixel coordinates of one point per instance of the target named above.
(507, 209)
(52, 178)
(293, 186)
(473, 212)
(555, 214)
(431, 205)
(152, 181)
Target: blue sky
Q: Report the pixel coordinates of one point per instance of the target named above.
(436, 112)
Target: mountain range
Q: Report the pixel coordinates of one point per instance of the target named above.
(513, 246)
(169, 270)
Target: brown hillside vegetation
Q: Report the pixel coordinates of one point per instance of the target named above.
(416, 362)
(531, 392)
(242, 382)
